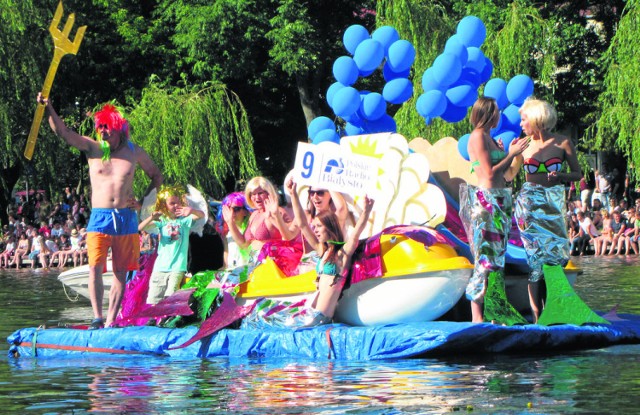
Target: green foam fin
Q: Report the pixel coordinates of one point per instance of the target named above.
(563, 305)
(496, 305)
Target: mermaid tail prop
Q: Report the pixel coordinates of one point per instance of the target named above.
(496, 305)
(563, 305)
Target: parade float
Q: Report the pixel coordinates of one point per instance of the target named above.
(419, 262)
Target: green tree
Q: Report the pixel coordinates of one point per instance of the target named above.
(619, 122)
(197, 137)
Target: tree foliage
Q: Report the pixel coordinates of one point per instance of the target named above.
(619, 123)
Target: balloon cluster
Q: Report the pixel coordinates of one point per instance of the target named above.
(451, 83)
(365, 111)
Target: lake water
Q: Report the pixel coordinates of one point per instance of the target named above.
(585, 382)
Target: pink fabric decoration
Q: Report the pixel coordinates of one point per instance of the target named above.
(135, 294)
(175, 305)
(227, 313)
(286, 255)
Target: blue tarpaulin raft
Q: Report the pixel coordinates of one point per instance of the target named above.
(327, 342)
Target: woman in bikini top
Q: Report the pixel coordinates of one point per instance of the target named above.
(547, 151)
(267, 222)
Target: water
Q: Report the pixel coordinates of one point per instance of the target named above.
(585, 382)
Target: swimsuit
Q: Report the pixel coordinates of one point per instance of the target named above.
(326, 268)
(532, 166)
(262, 232)
(496, 157)
(116, 229)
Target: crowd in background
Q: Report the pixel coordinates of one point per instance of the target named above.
(603, 215)
(47, 233)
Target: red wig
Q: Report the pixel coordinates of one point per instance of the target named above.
(110, 116)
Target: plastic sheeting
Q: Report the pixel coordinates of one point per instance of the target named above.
(327, 342)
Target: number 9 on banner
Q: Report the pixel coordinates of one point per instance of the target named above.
(307, 164)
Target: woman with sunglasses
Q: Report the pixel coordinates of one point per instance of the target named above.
(234, 210)
(321, 200)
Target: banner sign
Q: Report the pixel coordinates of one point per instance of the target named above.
(331, 167)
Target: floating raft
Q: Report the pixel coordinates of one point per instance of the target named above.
(326, 342)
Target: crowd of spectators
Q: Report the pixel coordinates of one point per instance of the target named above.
(604, 219)
(49, 234)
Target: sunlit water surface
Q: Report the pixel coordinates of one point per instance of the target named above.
(586, 382)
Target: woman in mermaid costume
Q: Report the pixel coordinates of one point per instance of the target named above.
(485, 211)
(540, 212)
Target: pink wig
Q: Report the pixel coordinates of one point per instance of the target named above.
(110, 116)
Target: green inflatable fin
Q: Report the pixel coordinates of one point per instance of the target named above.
(563, 305)
(496, 306)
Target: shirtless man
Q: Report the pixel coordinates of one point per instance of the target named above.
(114, 221)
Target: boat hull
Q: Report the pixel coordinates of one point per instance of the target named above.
(77, 279)
(402, 299)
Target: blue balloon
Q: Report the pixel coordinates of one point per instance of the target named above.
(318, 124)
(454, 113)
(390, 75)
(463, 146)
(369, 55)
(496, 88)
(346, 101)
(487, 71)
(384, 124)
(463, 95)
(431, 104)
(364, 74)
(446, 69)
(386, 35)
(519, 88)
(455, 46)
(351, 129)
(345, 70)
(429, 83)
(331, 91)
(498, 128)
(511, 118)
(476, 59)
(327, 135)
(471, 31)
(373, 106)
(401, 55)
(397, 91)
(353, 36)
(354, 119)
(468, 76)
(507, 137)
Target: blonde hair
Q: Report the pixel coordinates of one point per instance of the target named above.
(541, 114)
(262, 183)
(165, 193)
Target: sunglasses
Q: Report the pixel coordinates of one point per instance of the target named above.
(316, 192)
(237, 208)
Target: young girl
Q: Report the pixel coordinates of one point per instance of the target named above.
(173, 218)
(64, 250)
(8, 251)
(21, 250)
(326, 236)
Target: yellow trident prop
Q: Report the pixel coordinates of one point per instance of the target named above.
(63, 45)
